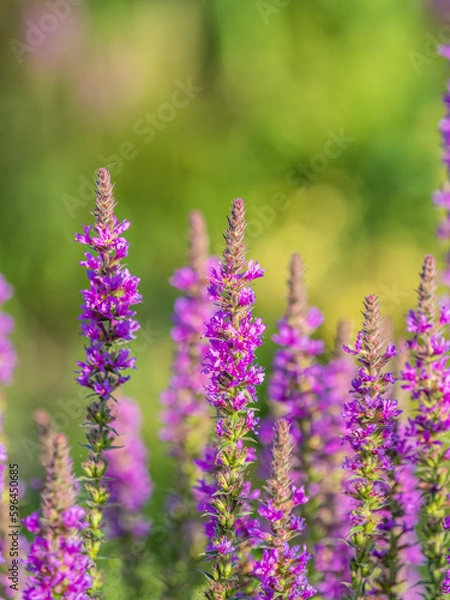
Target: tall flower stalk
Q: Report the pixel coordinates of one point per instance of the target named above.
(283, 566)
(108, 325)
(427, 378)
(186, 415)
(234, 335)
(57, 562)
(297, 376)
(371, 418)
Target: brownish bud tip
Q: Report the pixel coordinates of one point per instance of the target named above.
(105, 203)
(279, 485)
(426, 292)
(58, 494)
(234, 253)
(42, 419)
(371, 340)
(61, 442)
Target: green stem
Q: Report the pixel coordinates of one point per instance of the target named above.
(100, 437)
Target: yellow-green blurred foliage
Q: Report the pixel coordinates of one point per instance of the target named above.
(270, 91)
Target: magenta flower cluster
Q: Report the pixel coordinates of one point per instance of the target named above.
(234, 336)
(185, 412)
(181, 400)
(61, 568)
(107, 303)
(57, 561)
(297, 376)
(230, 360)
(282, 568)
(427, 376)
(369, 397)
(371, 420)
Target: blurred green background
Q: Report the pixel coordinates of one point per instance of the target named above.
(321, 115)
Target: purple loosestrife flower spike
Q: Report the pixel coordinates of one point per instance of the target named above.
(186, 422)
(282, 569)
(108, 324)
(371, 422)
(57, 562)
(427, 378)
(234, 335)
(296, 379)
(186, 415)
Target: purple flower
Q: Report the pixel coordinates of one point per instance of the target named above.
(185, 417)
(427, 378)
(74, 518)
(32, 523)
(222, 546)
(282, 569)
(106, 310)
(108, 324)
(185, 279)
(234, 335)
(57, 562)
(128, 476)
(297, 377)
(371, 418)
(270, 513)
